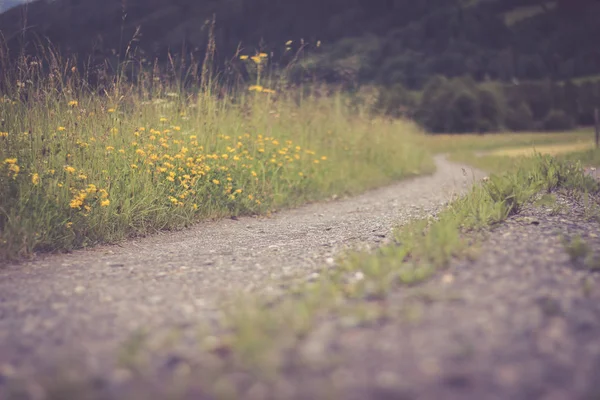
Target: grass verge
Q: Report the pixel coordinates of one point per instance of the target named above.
(77, 168)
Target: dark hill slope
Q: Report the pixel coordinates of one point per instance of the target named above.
(384, 41)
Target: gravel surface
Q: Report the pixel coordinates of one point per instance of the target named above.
(522, 321)
(86, 303)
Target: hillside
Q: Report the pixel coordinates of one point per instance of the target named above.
(384, 41)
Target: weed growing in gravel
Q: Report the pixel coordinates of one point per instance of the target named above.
(78, 167)
(581, 253)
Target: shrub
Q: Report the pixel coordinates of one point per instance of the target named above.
(519, 118)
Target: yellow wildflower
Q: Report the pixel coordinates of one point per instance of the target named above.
(10, 161)
(268, 91)
(61, 128)
(288, 43)
(257, 59)
(216, 181)
(3, 134)
(263, 55)
(69, 224)
(324, 158)
(163, 119)
(243, 57)
(69, 169)
(256, 88)
(77, 202)
(111, 110)
(73, 103)
(105, 203)
(109, 148)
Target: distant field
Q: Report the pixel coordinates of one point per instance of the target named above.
(496, 141)
(498, 153)
(552, 149)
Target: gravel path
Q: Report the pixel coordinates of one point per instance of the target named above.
(87, 302)
(522, 321)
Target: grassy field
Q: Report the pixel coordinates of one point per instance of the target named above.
(499, 153)
(78, 169)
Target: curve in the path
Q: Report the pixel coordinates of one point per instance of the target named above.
(89, 301)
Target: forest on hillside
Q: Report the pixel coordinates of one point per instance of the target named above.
(489, 58)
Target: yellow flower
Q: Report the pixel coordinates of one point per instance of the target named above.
(300, 174)
(288, 43)
(121, 151)
(224, 156)
(10, 161)
(105, 203)
(324, 158)
(91, 188)
(163, 119)
(3, 134)
(114, 131)
(177, 128)
(109, 148)
(253, 173)
(111, 110)
(250, 197)
(268, 91)
(76, 203)
(195, 206)
(256, 88)
(316, 161)
(69, 224)
(82, 177)
(69, 169)
(133, 166)
(243, 57)
(73, 103)
(51, 171)
(61, 128)
(87, 208)
(257, 59)
(215, 181)
(263, 55)
(14, 168)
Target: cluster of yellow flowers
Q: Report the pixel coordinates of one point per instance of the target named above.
(13, 167)
(85, 199)
(233, 170)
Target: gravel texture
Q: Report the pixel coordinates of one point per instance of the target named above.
(521, 321)
(86, 303)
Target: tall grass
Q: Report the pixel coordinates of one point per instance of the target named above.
(80, 166)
